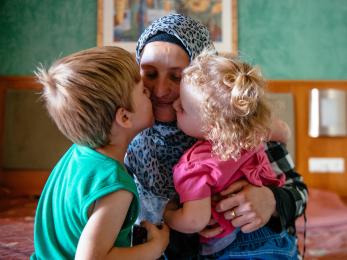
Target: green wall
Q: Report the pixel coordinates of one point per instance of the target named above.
(34, 31)
(289, 39)
(295, 39)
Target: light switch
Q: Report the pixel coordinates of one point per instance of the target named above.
(326, 165)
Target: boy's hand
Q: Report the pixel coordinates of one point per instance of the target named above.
(159, 236)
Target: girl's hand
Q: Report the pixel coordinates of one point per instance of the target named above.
(212, 229)
(172, 205)
(280, 131)
(157, 235)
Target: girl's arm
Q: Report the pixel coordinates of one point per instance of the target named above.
(280, 131)
(98, 236)
(191, 218)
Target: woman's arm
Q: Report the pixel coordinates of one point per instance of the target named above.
(291, 199)
(191, 218)
(104, 225)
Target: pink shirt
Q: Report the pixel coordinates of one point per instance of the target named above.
(198, 175)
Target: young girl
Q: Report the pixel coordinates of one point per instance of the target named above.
(221, 103)
(89, 204)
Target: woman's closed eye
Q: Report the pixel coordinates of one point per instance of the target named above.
(176, 77)
(151, 75)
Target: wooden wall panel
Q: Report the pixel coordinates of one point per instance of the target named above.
(29, 181)
(18, 181)
(306, 146)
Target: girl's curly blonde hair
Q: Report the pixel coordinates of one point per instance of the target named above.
(236, 114)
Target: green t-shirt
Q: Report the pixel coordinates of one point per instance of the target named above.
(81, 177)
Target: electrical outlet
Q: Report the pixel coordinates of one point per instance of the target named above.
(326, 165)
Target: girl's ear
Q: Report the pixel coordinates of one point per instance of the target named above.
(123, 118)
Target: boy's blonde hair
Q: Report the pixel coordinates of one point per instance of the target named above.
(83, 91)
(236, 115)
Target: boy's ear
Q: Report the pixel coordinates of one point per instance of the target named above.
(123, 118)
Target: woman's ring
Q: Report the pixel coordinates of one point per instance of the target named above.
(233, 214)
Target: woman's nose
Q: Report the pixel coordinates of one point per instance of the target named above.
(161, 88)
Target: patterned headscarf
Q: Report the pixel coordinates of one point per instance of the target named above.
(194, 35)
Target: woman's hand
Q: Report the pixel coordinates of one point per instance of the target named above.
(248, 207)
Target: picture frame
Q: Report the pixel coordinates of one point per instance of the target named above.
(121, 22)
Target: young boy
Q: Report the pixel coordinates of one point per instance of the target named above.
(89, 203)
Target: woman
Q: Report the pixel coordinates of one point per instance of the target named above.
(164, 49)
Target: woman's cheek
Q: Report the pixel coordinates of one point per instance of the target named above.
(147, 84)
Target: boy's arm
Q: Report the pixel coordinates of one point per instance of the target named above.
(191, 218)
(98, 236)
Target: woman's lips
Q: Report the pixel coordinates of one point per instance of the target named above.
(162, 102)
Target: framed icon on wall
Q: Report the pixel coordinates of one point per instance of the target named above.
(121, 22)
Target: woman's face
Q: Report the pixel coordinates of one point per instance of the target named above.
(161, 67)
